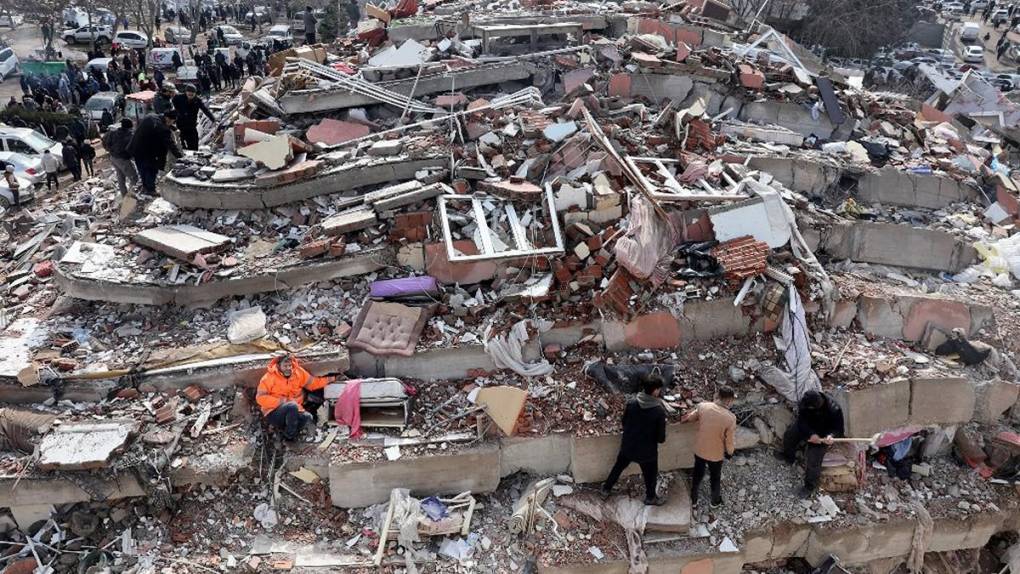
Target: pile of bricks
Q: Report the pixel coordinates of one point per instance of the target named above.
(412, 226)
(741, 258)
(587, 262)
(615, 298)
(335, 246)
(193, 393)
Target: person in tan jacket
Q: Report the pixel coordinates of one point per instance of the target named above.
(713, 442)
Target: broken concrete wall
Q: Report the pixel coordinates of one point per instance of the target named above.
(907, 316)
(591, 457)
(430, 31)
(903, 402)
(994, 399)
(702, 320)
(890, 186)
(896, 245)
(791, 116)
(440, 364)
(192, 194)
(811, 178)
(270, 280)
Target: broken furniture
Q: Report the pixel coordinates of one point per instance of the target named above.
(409, 519)
(388, 328)
(384, 402)
(497, 228)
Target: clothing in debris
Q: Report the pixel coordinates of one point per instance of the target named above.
(818, 415)
(644, 428)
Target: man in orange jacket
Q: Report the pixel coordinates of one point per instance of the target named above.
(281, 395)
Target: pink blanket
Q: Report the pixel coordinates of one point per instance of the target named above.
(348, 407)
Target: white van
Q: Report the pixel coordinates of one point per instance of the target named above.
(163, 58)
(970, 31)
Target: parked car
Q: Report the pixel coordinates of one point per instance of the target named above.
(131, 39)
(28, 167)
(999, 16)
(85, 34)
(11, 20)
(974, 54)
(279, 37)
(230, 34)
(98, 64)
(261, 13)
(952, 8)
(163, 58)
(104, 101)
(979, 5)
(9, 63)
(177, 35)
(27, 141)
(26, 192)
(970, 31)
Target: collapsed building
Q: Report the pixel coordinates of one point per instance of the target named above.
(497, 223)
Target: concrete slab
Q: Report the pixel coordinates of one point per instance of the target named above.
(181, 241)
(675, 515)
(876, 408)
(84, 446)
(274, 153)
(331, 132)
(348, 221)
(538, 455)
(890, 186)
(941, 401)
(363, 484)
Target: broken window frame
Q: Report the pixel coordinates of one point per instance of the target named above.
(518, 233)
(735, 192)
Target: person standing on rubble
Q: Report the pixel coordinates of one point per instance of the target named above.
(117, 144)
(819, 420)
(717, 427)
(310, 22)
(644, 429)
(187, 106)
(281, 395)
(150, 143)
(51, 165)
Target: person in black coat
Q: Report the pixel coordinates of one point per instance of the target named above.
(188, 106)
(644, 429)
(149, 145)
(72, 161)
(819, 420)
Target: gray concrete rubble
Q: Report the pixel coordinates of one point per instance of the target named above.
(478, 230)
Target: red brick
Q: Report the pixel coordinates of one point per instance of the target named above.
(128, 393)
(166, 413)
(576, 78)
(619, 85)
(465, 273)
(265, 126)
(314, 249)
(332, 132)
(682, 51)
(594, 243)
(655, 331)
(750, 77)
(295, 172)
(338, 248)
(193, 393)
(450, 101)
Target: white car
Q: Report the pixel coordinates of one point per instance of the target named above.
(8, 63)
(26, 192)
(27, 142)
(281, 33)
(11, 20)
(27, 167)
(131, 39)
(84, 35)
(230, 34)
(974, 55)
(98, 64)
(999, 16)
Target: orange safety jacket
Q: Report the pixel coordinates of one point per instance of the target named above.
(274, 388)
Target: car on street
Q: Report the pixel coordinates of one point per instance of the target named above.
(999, 16)
(970, 31)
(26, 191)
(230, 34)
(163, 58)
(98, 64)
(130, 39)
(84, 35)
(279, 36)
(9, 64)
(177, 35)
(112, 102)
(11, 20)
(974, 54)
(261, 13)
(27, 141)
(953, 8)
(28, 167)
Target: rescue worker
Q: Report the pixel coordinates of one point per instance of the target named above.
(644, 429)
(717, 427)
(187, 106)
(819, 420)
(281, 395)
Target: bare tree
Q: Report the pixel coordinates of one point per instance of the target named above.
(857, 28)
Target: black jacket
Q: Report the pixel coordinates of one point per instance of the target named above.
(118, 143)
(152, 140)
(69, 154)
(162, 103)
(187, 110)
(823, 421)
(644, 428)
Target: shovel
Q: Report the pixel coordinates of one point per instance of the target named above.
(871, 440)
